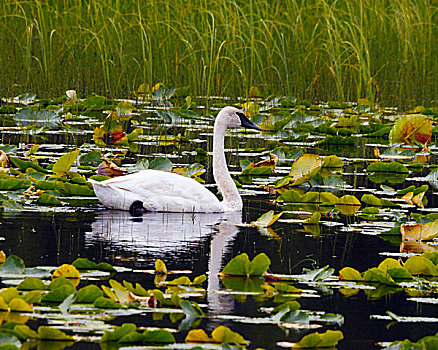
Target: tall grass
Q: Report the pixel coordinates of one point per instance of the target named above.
(316, 50)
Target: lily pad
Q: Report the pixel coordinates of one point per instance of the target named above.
(241, 266)
(409, 128)
(319, 340)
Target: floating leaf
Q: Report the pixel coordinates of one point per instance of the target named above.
(161, 163)
(241, 266)
(332, 162)
(314, 219)
(383, 167)
(267, 219)
(319, 340)
(418, 265)
(158, 336)
(31, 283)
(19, 305)
(409, 128)
(88, 294)
(304, 168)
(350, 274)
(419, 232)
(118, 333)
(376, 275)
(67, 271)
(12, 265)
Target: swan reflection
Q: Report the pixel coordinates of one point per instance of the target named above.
(157, 235)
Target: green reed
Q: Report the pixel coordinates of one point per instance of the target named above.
(309, 49)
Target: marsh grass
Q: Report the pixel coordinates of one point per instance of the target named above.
(314, 50)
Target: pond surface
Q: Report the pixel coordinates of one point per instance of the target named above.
(204, 243)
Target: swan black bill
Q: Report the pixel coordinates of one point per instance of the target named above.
(136, 209)
(246, 123)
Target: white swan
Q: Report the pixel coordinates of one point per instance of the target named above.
(153, 190)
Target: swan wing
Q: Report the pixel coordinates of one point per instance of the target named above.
(159, 191)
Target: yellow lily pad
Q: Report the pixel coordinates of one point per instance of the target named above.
(412, 127)
(304, 168)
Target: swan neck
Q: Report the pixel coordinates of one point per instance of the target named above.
(231, 196)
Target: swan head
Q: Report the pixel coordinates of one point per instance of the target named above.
(234, 117)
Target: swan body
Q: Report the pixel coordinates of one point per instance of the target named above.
(154, 190)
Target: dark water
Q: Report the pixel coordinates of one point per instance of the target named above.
(206, 242)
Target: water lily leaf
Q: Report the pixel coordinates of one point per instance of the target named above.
(48, 199)
(290, 305)
(64, 163)
(44, 118)
(19, 305)
(287, 288)
(267, 219)
(388, 263)
(9, 342)
(304, 168)
(314, 219)
(412, 127)
(33, 297)
(67, 271)
(25, 332)
(418, 265)
(318, 274)
(11, 183)
(3, 305)
(88, 294)
(92, 158)
(12, 205)
(191, 309)
(419, 232)
(161, 163)
(319, 340)
(399, 273)
(332, 162)
(241, 266)
(31, 283)
(121, 293)
(198, 336)
(350, 274)
(160, 266)
(106, 303)
(199, 280)
(51, 333)
(58, 282)
(12, 265)
(223, 334)
(59, 294)
(158, 336)
(70, 189)
(376, 275)
(132, 338)
(84, 264)
(138, 290)
(183, 281)
(383, 167)
(8, 294)
(118, 333)
(191, 170)
(294, 317)
(348, 205)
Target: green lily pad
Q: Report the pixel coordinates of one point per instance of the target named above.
(118, 333)
(241, 266)
(88, 294)
(31, 283)
(160, 336)
(64, 163)
(12, 265)
(161, 163)
(319, 340)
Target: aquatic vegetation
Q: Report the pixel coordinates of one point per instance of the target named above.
(339, 189)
